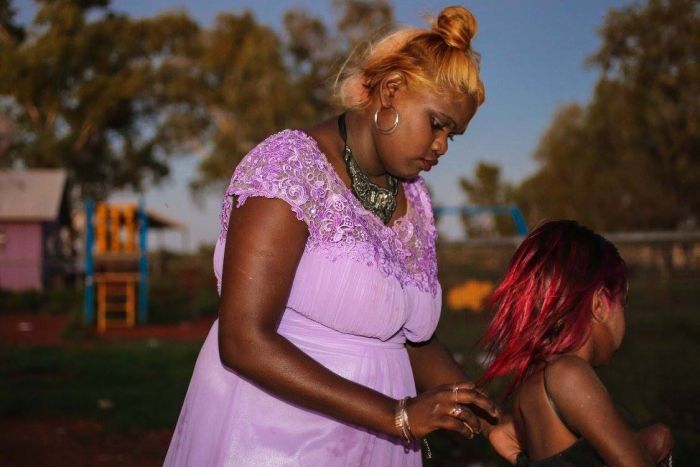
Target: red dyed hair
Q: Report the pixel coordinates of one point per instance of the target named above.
(543, 305)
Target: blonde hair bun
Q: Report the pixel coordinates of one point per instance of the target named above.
(439, 58)
(457, 26)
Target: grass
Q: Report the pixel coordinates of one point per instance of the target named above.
(127, 387)
(654, 377)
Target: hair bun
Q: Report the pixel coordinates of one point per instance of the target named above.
(457, 26)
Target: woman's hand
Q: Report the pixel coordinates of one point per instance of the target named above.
(450, 407)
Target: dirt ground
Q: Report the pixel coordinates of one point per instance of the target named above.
(77, 443)
(63, 442)
(19, 329)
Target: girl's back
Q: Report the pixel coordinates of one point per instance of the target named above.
(539, 424)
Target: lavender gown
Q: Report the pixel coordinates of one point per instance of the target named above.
(361, 289)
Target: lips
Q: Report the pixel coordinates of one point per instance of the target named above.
(429, 164)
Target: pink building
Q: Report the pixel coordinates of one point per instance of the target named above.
(34, 229)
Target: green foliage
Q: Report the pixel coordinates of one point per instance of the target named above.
(54, 302)
(629, 159)
(186, 289)
(487, 188)
(9, 31)
(257, 82)
(110, 98)
(87, 89)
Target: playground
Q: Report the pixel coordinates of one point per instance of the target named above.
(97, 375)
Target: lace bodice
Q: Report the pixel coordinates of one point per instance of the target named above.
(290, 166)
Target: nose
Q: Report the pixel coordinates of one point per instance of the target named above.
(439, 146)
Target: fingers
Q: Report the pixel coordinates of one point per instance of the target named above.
(468, 424)
(462, 427)
(460, 407)
(468, 393)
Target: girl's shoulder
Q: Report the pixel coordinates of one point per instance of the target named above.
(564, 382)
(567, 372)
(575, 392)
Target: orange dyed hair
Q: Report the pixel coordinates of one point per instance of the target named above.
(440, 58)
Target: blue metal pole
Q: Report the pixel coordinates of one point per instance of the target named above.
(512, 210)
(89, 306)
(519, 219)
(143, 262)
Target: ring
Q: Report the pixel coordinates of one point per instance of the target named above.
(470, 429)
(456, 411)
(455, 388)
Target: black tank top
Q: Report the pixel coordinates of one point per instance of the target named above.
(578, 454)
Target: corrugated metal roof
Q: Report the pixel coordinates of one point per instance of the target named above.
(31, 195)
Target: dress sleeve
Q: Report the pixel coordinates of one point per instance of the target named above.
(285, 166)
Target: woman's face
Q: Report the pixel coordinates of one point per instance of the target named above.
(428, 121)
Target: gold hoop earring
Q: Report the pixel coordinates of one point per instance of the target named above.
(392, 128)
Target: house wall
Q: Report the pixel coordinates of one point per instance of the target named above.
(21, 251)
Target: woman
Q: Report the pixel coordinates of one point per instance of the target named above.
(327, 272)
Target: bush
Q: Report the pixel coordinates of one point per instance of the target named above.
(54, 302)
(186, 289)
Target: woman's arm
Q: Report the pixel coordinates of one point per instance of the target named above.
(433, 365)
(264, 244)
(586, 407)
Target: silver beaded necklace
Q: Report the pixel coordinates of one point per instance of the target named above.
(376, 199)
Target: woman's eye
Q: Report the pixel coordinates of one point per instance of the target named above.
(437, 125)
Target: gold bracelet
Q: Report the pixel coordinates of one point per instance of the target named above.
(401, 421)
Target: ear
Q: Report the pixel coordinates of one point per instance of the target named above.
(389, 87)
(600, 306)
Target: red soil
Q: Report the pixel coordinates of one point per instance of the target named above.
(31, 329)
(77, 443)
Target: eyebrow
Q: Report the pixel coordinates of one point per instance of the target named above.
(452, 123)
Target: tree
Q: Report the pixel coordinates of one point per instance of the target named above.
(244, 93)
(630, 158)
(258, 82)
(487, 189)
(92, 95)
(111, 98)
(10, 32)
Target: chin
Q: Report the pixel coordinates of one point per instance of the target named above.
(414, 173)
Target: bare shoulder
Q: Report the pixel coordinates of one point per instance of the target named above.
(569, 373)
(585, 406)
(578, 393)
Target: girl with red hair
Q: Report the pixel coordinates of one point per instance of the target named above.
(559, 312)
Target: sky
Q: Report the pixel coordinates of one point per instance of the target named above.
(533, 55)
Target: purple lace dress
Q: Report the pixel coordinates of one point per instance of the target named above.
(361, 289)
